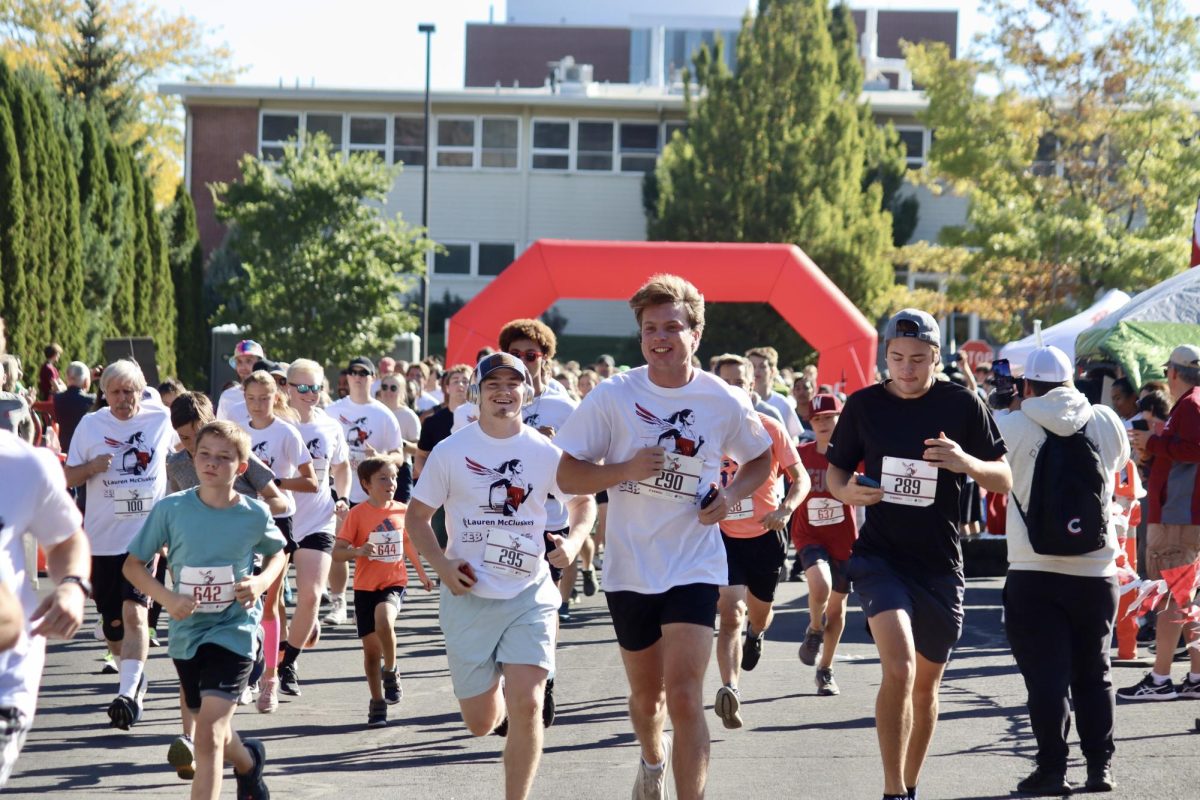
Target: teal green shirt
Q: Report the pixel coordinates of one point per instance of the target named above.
(198, 536)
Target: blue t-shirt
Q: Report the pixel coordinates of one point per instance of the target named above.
(219, 542)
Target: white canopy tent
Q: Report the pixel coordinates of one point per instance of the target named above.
(1063, 334)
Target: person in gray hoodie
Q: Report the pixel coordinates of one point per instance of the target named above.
(1059, 609)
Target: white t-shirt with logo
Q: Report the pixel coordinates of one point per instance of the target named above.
(365, 423)
(280, 447)
(233, 396)
(34, 500)
(494, 492)
(654, 540)
(326, 445)
(120, 499)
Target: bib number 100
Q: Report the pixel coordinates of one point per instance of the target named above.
(672, 481)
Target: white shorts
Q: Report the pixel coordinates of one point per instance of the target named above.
(481, 634)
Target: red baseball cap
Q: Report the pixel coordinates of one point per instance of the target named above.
(824, 404)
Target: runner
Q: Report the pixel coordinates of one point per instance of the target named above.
(313, 524)
(34, 500)
(212, 534)
(373, 535)
(755, 537)
(497, 607)
(246, 354)
(120, 453)
(765, 361)
(823, 530)
(661, 431)
(370, 429)
(919, 438)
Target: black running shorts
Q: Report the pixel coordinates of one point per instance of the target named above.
(638, 618)
(933, 602)
(214, 671)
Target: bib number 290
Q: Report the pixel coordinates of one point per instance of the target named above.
(671, 481)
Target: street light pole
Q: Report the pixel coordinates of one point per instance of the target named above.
(428, 29)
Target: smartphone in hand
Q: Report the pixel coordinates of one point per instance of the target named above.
(870, 483)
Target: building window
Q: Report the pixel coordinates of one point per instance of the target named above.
(408, 141)
(551, 145)
(494, 258)
(914, 145)
(328, 124)
(500, 143)
(669, 129)
(277, 131)
(595, 146)
(369, 135)
(639, 146)
(455, 261)
(455, 142)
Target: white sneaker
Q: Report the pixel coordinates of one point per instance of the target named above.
(728, 707)
(246, 697)
(337, 612)
(651, 784)
(268, 698)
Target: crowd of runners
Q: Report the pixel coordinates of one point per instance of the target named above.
(504, 481)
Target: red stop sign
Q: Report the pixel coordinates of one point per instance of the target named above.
(976, 352)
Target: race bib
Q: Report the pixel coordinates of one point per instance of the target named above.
(825, 511)
(131, 502)
(507, 553)
(908, 481)
(211, 587)
(679, 480)
(743, 509)
(388, 546)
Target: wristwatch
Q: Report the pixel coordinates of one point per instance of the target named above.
(82, 583)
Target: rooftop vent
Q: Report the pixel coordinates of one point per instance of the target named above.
(567, 77)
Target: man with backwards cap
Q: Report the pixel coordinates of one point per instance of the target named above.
(919, 438)
(246, 354)
(498, 608)
(1059, 610)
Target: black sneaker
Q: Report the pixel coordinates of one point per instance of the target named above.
(154, 641)
(392, 691)
(548, 707)
(797, 573)
(182, 756)
(289, 680)
(1188, 688)
(589, 582)
(810, 648)
(826, 685)
(564, 612)
(124, 712)
(1045, 783)
(377, 714)
(501, 730)
(751, 651)
(250, 786)
(1147, 689)
(1099, 777)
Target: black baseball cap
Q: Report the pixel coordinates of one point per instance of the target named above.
(361, 361)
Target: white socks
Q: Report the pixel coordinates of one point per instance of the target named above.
(131, 676)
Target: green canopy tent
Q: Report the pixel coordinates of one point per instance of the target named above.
(1140, 336)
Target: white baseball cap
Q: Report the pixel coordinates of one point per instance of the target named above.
(1048, 365)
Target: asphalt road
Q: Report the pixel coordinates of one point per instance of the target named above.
(794, 745)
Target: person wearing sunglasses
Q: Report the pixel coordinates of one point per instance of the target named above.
(370, 429)
(393, 392)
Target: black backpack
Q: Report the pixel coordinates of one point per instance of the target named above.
(1068, 508)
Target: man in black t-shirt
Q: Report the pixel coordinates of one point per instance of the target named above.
(918, 438)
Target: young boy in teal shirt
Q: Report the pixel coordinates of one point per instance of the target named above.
(213, 533)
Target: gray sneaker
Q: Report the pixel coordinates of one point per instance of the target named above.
(728, 707)
(810, 648)
(652, 784)
(826, 686)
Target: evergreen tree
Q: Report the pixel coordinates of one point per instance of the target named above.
(69, 329)
(122, 236)
(96, 208)
(12, 226)
(96, 70)
(161, 306)
(187, 274)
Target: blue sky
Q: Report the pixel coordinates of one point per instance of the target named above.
(375, 43)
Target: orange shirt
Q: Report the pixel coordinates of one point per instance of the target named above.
(385, 528)
(766, 497)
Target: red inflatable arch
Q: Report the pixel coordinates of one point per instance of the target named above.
(779, 274)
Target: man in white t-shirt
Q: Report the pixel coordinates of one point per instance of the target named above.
(766, 369)
(370, 429)
(661, 431)
(120, 452)
(497, 608)
(34, 500)
(246, 354)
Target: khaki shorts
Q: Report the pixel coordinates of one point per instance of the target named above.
(1170, 546)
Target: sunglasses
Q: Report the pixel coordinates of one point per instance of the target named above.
(385, 387)
(358, 373)
(306, 388)
(529, 356)
(281, 382)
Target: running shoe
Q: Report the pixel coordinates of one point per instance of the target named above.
(1045, 783)
(154, 642)
(826, 685)
(548, 707)
(392, 690)
(337, 612)
(1147, 689)
(589, 582)
(1189, 689)
(182, 756)
(377, 714)
(289, 680)
(124, 712)
(268, 697)
(251, 786)
(797, 573)
(564, 612)
(783, 573)
(1099, 777)
(728, 707)
(110, 664)
(810, 648)
(246, 697)
(289, 594)
(651, 784)
(501, 730)
(751, 651)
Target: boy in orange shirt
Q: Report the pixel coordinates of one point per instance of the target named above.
(373, 535)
